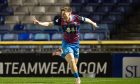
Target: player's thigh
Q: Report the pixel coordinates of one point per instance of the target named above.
(69, 57)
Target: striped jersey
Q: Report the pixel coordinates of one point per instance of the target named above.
(71, 29)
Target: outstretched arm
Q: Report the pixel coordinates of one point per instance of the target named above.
(91, 22)
(42, 23)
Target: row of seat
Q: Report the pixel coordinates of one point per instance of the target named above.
(66, 2)
(39, 2)
(53, 10)
(45, 36)
(29, 18)
(31, 27)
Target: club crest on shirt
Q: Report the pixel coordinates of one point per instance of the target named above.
(68, 30)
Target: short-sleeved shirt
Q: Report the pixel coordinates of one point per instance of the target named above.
(71, 29)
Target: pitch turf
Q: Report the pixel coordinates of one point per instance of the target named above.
(51, 80)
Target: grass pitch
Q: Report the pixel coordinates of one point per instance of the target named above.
(60, 80)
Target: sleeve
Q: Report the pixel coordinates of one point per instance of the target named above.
(81, 19)
(57, 20)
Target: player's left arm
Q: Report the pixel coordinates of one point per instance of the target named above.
(91, 22)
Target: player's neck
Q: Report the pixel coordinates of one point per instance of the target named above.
(68, 19)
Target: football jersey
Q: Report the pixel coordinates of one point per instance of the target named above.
(71, 29)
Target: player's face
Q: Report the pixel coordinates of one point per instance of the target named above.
(66, 15)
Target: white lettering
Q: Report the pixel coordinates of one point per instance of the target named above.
(44, 67)
(32, 69)
(22, 69)
(101, 69)
(53, 67)
(14, 68)
(91, 64)
(61, 68)
(7, 67)
(82, 67)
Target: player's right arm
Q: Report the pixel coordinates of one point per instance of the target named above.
(35, 21)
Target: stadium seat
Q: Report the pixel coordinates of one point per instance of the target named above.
(125, 2)
(19, 27)
(96, 17)
(109, 2)
(3, 3)
(24, 36)
(46, 18)
(30, 2)
(0, 37)
(91, 36)
(57, 36)
(21, 10)
(113, 18)
(76, 9)
(38, 10)
(53, 10)
(41, 37)
(10, 37)
(47, 2)
(77, 2)
(6, 11)
(94, 2)
(5, 28)
(88, 9)
(121, 10)
(27, 19)
(32, 27)
(12, 19)
(103, 9)
(81, 36)
(63, 2)
(2, 20)
(15, 2)
(86, 28)
(103, 26)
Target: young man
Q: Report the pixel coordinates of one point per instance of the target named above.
(70, 44)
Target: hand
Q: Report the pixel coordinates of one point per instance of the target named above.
(95, 26)
(35, 21)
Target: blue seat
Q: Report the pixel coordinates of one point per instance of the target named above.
(81, 36)
(94, 36)
(19, 27)
(121, 10)
(6, 11)
(3, 4)
(110, 2)
(88, 9)
(103, 9)
(57, 36)
(91, 36)
(41, 37)
(84, 27)
(78, 2)
(125, 2)
(10, 37)
(2, 20)
(32, 27)
(97, 17)
(76, 9)
(24, 36)
(5, 28)
(113, 19)
(0, 37)
(94, 2)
